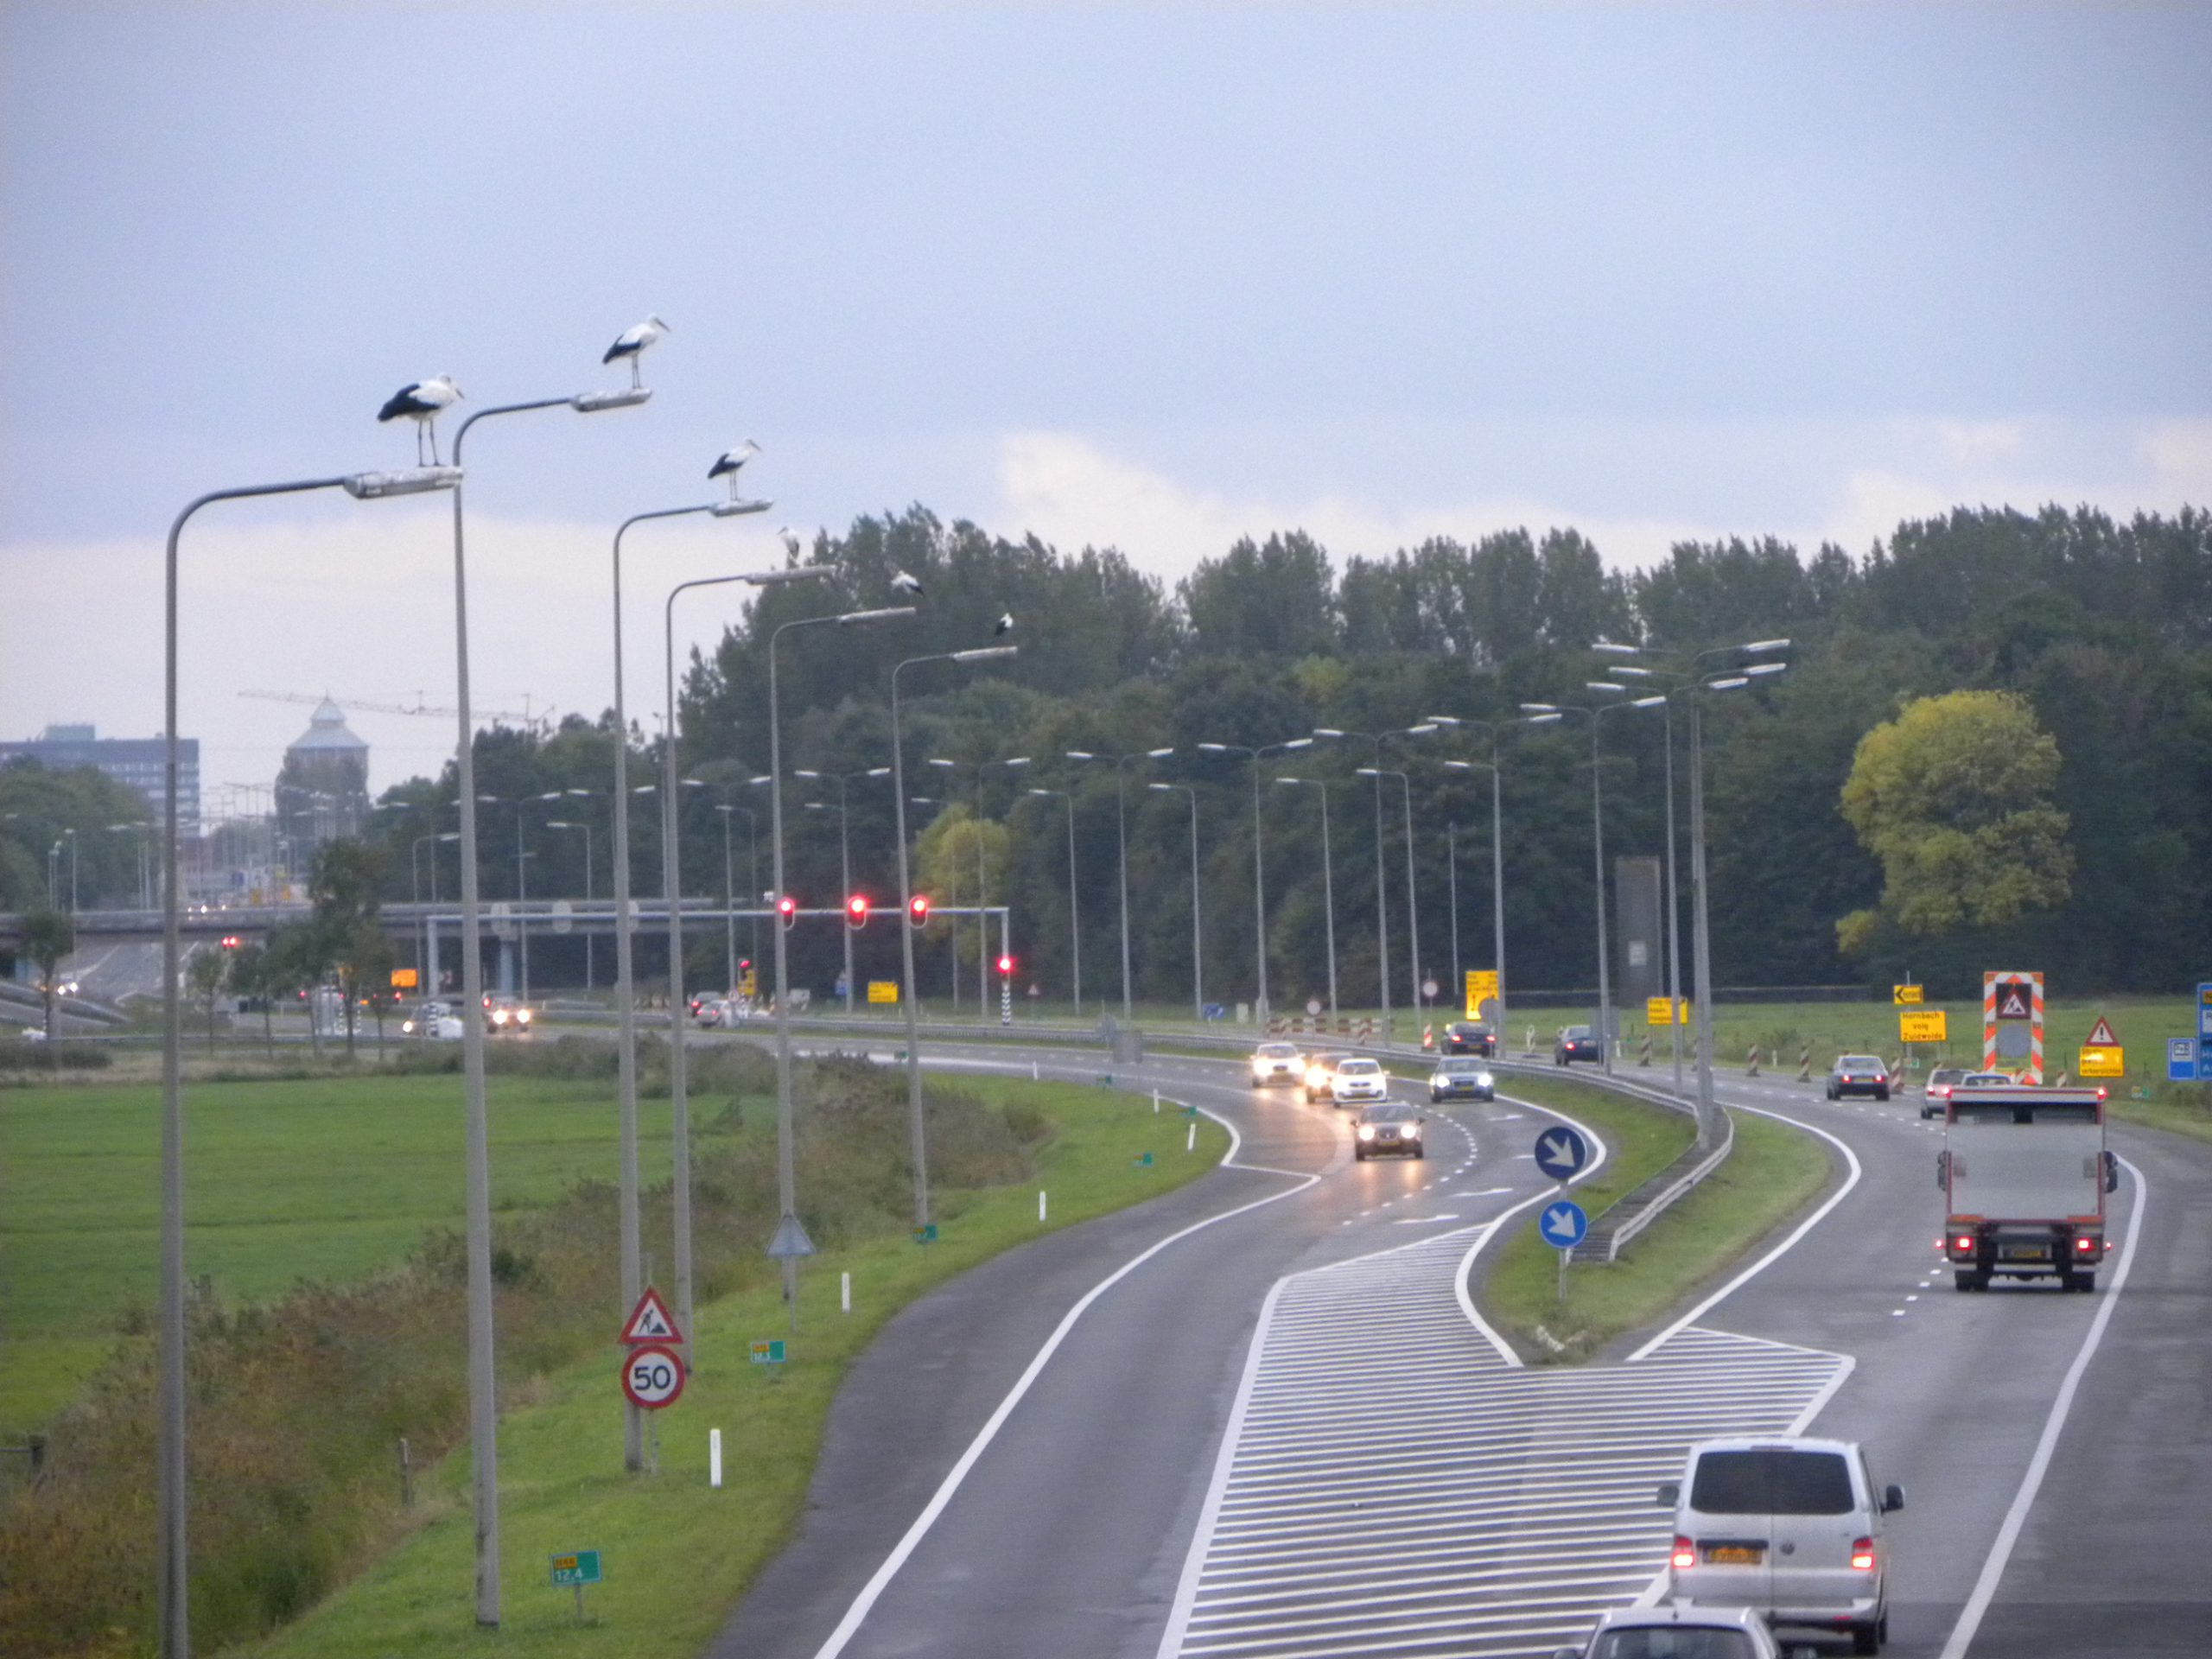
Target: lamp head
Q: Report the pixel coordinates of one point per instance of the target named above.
(411, 481)
(591, 402)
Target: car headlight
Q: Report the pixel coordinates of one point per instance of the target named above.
(1410, 1131)
(405, 1027)
(1484, 1080)
(1367, 1131)
(521, 1016)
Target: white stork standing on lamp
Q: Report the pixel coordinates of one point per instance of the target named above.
(905, 584)
(792, 546)
(632, 343)
(731, 463)
(423, 402)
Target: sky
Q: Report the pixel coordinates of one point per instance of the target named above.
(1153, 277)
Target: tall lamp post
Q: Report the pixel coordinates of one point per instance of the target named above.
(579, 823)
(844, 848)
(983, 882)
(1412, 905)
(422, 924)
(918, 1144)
(1328, 881)
(172, 1588)
(1382, 858)
(1122, 829)
(1075, 933)
(1496, 848)
(786, 1177)
(1198, 935)
(726, 809)
(1259, 861)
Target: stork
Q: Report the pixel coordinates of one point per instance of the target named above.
(731, 463)
(1004, 624)
(905, 584)
(631, 343)
(792, 545)
(422, 402)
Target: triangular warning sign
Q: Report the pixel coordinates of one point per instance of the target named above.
(2013, 1001)
(2101, 1035)
(650, 1321)
(790, 1241)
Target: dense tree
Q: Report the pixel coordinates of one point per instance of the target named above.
(48, 937)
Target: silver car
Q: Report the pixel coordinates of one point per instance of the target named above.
(1672, 1633)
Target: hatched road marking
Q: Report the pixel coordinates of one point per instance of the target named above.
(1390, 1485)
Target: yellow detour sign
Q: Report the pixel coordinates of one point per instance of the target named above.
(1482, 986)
(403, 979)
(883, 990)
(1903, 994)
(1922, 1025)
(2103, 1062)
(1660, 1011)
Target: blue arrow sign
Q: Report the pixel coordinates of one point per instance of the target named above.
(1563, 1224)
(1561, 1152)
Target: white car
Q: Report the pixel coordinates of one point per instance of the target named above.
(1789, 1528)
(434, 1022)
(1358, 1081)
(1274, 1062)
(1670, 1633)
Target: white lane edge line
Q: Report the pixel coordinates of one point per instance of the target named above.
(881, 1580)
(1775, 1254)
(2001, 1553)
(1466, 1262)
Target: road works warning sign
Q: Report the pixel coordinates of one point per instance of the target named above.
(650, 1322)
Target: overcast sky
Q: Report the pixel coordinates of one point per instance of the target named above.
(1150, 275)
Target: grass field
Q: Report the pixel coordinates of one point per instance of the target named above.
(325, 1179)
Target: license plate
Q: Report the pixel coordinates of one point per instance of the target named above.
(2026, 1253)
(1735, 1554)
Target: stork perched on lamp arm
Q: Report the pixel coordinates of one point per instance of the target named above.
(793, 546)
(632, 343)
(905, 584)
(1004, 625)
(423, 402)
(732, 462)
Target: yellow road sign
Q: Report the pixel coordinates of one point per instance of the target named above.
(1902, 995)
(403, 979)
(1922, 1025)
(2103, 1062)
(1482, 986)
(1658, 1011)
(883, 990)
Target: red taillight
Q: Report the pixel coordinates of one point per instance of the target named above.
(2085, 1244)
(1963, 1244)
(1862, 1555)
(1685, 1553)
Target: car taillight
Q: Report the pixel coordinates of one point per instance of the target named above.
(1685, 1553)
(1862, 1555)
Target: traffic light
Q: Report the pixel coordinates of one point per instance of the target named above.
(857, 911)
(918, 910)
(1006, 967)
(787, 907)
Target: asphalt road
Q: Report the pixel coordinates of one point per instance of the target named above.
(1079, 1512)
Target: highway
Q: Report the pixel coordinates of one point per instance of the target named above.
(1255, 1417)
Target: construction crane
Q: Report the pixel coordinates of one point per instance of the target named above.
(523, 718)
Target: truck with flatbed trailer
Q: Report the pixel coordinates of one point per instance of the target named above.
(2024, 1171)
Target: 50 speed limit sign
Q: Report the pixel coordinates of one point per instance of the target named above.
(652, 1377)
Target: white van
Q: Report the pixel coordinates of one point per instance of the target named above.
(1791, 1529)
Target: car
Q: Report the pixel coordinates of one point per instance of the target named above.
(1357, 1080)
(1470, 1037)
(711, 1011)
(504, 1014)
(1274, 1062)
(1788, 1528)
(440, 1027)
(1937, 1089)
(1678, 1633)
(1321, 1073)
(1858, 1074)
(1577, 1043)
(1461, 1079)
(1388, 1129)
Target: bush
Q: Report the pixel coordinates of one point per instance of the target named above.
(20, 1056)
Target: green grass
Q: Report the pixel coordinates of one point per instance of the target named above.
(321, 1178)
(1771, 1174)
(678, 1554)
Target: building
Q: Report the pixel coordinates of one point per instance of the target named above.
(322, 792)
(137, 762)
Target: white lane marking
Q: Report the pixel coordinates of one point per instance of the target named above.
(1775, 1254)
(870, 1591)
(2001, 1553)
(1424, 1221)
(1598, 1153)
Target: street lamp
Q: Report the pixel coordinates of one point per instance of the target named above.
(844, 848)
(1259, 862)
(786, 1179)
(1075, 935)
(1382, 913)
(724, 810)
(414, 886)
(918, 1143)
(1198, 938)
(172, 1591)
(1122, 828)
(982, 883)
(1413, 909)
(138, 828)
(590, 977)
(1328, 883)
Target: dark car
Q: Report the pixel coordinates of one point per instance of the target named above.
(1461, 1079)
(1578, 1043)
(1469, 1037)
(1858, 1074)
(1390, 1129)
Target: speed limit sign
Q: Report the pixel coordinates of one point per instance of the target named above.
(652, 1377)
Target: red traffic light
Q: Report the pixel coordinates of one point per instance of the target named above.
(918, 910)
(787, 908)
(1006, 967)
(856, 911)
